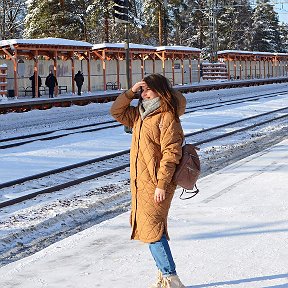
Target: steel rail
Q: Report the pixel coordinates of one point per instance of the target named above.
(119, 168)
(193, 108)
(23, 106)
(54, 131)
(236, 101)
(56, 136)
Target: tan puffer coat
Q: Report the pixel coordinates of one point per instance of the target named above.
(155, 151)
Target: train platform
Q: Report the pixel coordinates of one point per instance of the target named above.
(232, 234)
(27, 103)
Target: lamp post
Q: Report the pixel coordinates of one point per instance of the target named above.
(213, 31)
(121, 9)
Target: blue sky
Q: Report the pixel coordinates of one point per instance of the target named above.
(282, 10)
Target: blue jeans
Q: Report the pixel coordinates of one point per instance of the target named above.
(161, 253)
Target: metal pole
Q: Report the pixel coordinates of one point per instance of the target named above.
(127, 55)
(212, 31)
(165, 23)
(3, 24)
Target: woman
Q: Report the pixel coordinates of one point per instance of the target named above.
(155, 151)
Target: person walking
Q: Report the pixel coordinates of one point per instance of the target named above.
(156, 149)
(51, 82)
(33, 84)
(79, 79)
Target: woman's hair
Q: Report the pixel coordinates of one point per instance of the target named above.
(162, 86)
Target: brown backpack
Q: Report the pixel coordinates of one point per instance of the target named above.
(188, 170)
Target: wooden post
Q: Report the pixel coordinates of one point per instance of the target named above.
(182, 68)
(198, 68)
(89, 71)
(73, 72)
(104, 69)
(36, 74)
(16, 92)
(142, 65)
(190, 70)
(118, 71)
(245, 62)
(173, 70)
(163, 63)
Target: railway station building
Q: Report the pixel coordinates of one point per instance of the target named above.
(253, 64)
(104, 65)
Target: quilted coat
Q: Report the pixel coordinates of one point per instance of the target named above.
(156, 148)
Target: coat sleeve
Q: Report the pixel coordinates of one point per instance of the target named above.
(171, 140)
(122, 111)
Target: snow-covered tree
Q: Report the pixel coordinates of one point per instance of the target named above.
(284, 37)
(12, 13)
(234, 25)
(51, 18)
(190, 23)
(265, 28)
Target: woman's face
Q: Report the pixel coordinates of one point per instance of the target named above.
(147, 93)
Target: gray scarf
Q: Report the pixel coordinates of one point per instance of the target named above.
(148, 106)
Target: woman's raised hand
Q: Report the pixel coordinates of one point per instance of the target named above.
(138, 85)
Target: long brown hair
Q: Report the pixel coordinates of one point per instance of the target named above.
(162, 86)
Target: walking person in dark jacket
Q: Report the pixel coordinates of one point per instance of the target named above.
(51, 82)
(79, 79)
(32, 78)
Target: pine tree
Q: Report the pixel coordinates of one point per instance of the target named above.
(265, 28)
(191, 22)
(12, 15)
(284, 37)
(151, 23)
(234, 25)
(51, 19)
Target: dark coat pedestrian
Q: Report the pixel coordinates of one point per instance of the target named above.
(79, 79)
(33, 85)
(51, 82)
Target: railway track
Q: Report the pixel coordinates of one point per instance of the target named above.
(20, 190)
(57, 133)
(24, 106)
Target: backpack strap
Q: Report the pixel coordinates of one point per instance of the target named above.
(193, 193)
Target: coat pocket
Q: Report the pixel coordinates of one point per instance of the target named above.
(155, 171)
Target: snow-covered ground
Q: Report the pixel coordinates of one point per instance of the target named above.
(41, 156)
(233, 234)
(31, 226)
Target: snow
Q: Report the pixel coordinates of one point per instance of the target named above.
(122, 46)
(233, 234)
(180, 48)
(45, 41)
(251, 53)
(67, 42)
(67, 150)
(140, 46)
